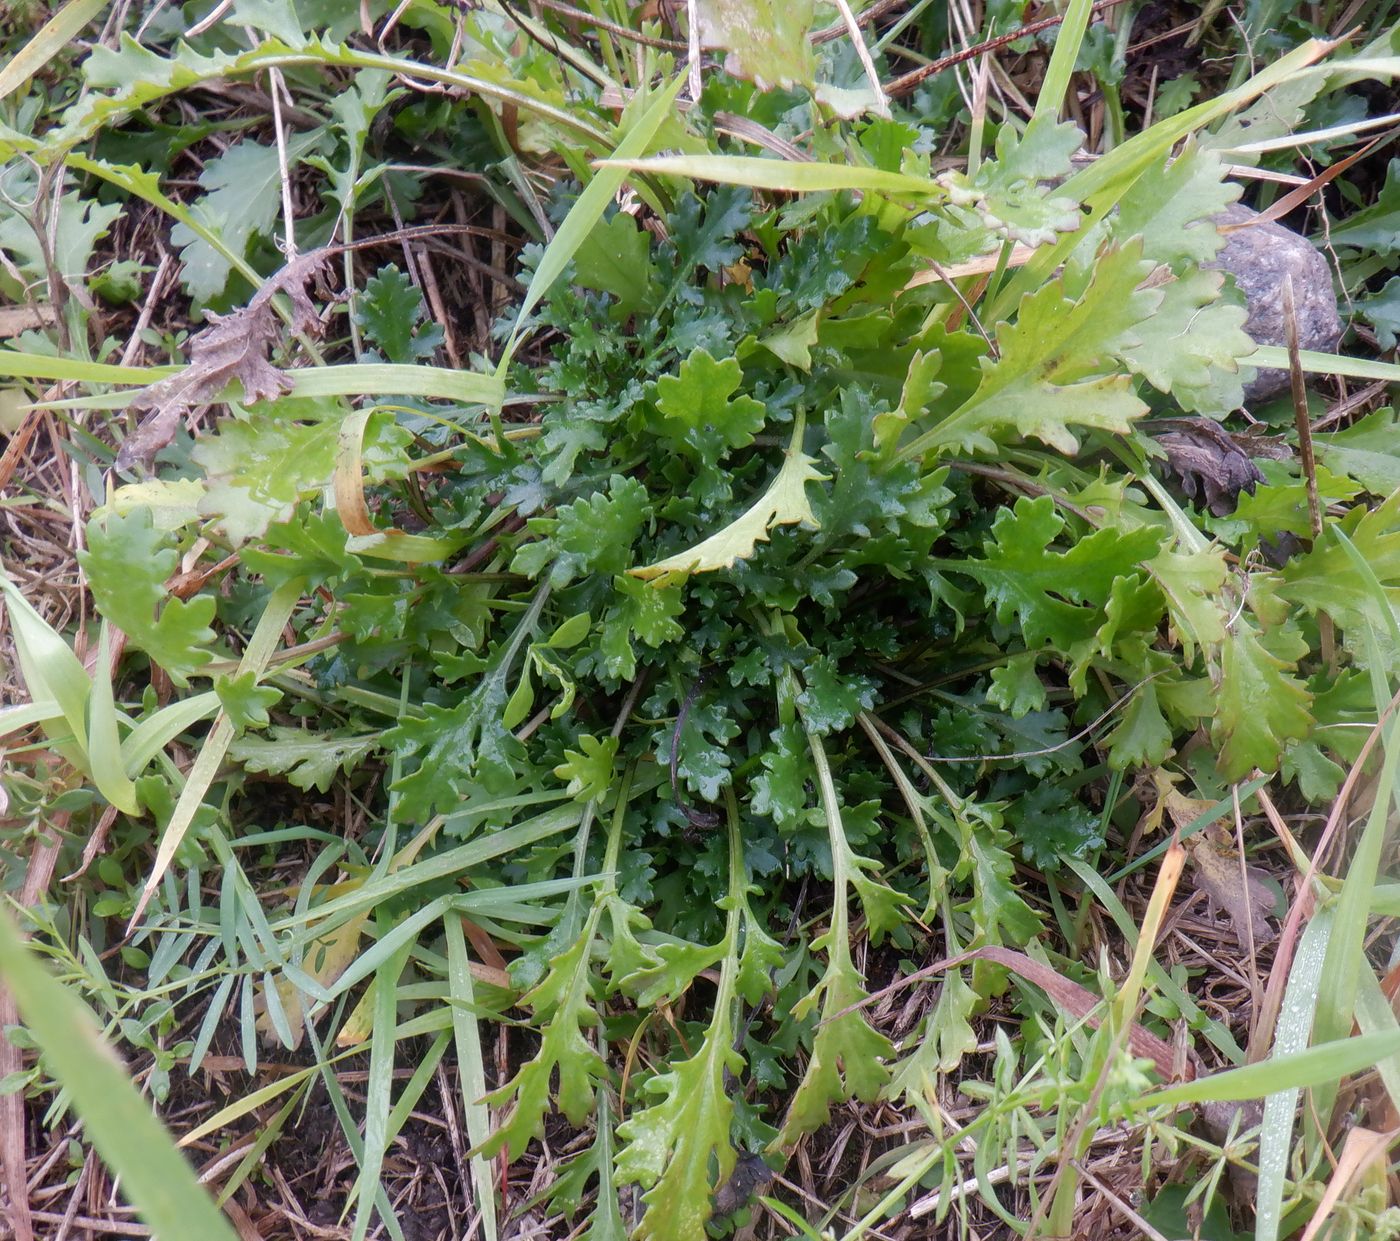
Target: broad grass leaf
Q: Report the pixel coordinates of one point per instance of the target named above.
(52, 673)
(1329, 1062)
(50, 39)
(775, 174)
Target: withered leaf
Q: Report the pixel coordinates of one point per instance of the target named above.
(1209, 463)
(233, 347)
(1239, 890)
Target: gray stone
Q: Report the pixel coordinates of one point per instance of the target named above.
(1261, 258)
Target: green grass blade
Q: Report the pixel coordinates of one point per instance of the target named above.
(1315, 363)
(781, 175)
(1295, 1020)
(1317, 1066)
(379, 1088)
(587, 210)
(52, 37)
(154, 1176)
(1060, 71)
(103, 744)
(471, 1069)
(1341, 974)
(1160, 979)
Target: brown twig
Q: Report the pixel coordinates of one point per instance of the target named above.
(903, 85)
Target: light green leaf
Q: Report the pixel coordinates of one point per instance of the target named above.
(1007, 191)
(766, 40)
(1193, 342)
(1057, 368)
(1262, 706)
(784, 503)
(671, 1143)
(127, 561)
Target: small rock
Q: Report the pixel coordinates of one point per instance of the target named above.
(1261, 258)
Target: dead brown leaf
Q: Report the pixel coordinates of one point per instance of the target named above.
(234, 348)
(1209, 463)
(1239, 890)
(17, 319)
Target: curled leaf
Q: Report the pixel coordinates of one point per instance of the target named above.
(785, 503)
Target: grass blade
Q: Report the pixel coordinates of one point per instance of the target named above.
(52, 37)
(587, 210)
(471, 1070)
(1317, 1066)
(155, 1177)
(1295, 1020)
(379, 1087)
(781, 175)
